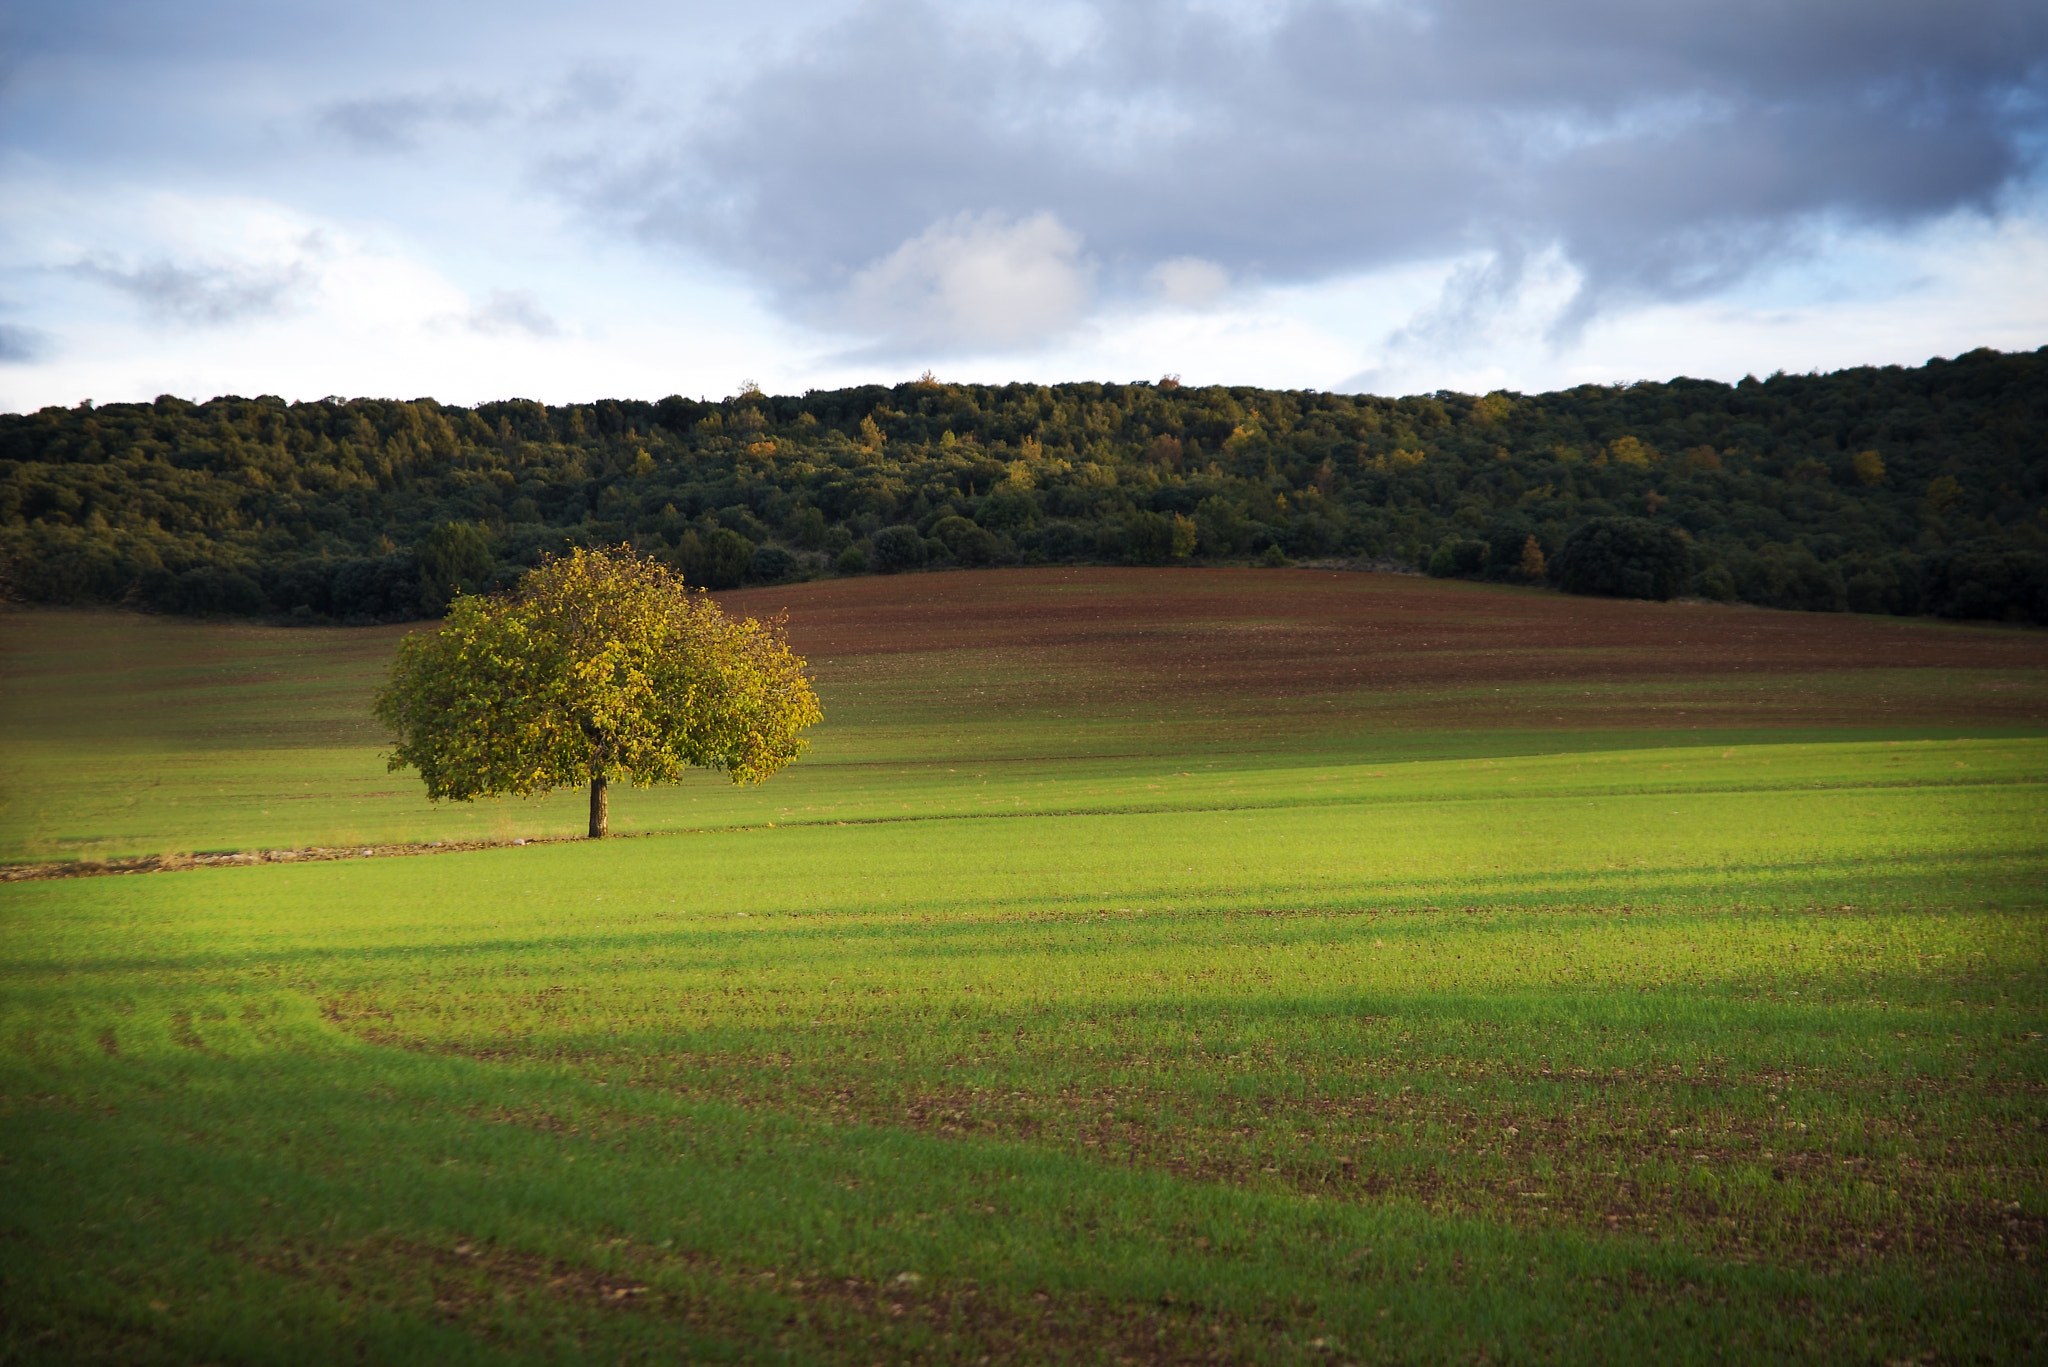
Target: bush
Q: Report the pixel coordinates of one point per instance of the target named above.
(851, 561)
(1883, 583)
(741, 521)
(1716, 583)
(1789, 577)
(455, 553)
(304, 587)
(1007, 510)
(1621, 557)
(808, 527)
(718, 559)
(376, 588)
(965, 542)
(1150, 537)
(1507, 537)
(1980, 579)
(1458, 557)
(898, 548)
(75, 571)
(210, 590)
(771, 563)
(1221, 525)
(1060, 540)
(1316, 534)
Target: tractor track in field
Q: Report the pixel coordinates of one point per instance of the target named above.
(181, 863)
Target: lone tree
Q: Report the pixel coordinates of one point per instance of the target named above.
(598, 664)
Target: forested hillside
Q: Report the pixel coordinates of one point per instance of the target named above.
(1871, 490)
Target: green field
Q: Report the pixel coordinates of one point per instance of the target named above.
(1032, 1018)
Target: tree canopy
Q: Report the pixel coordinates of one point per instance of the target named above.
(1623, 557)
(599, 663)
(1877, 489)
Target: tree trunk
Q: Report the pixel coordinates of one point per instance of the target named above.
(600, 806)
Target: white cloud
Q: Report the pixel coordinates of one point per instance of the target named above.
(372, 311)
(974, 282)
(1188, 282)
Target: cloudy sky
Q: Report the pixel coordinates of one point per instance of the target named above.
(621, 198)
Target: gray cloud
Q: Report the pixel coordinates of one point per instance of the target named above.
(507, 311)
(1665, 149)
(21, 345)
(398, 123)
(202, 295)
(1472, 297)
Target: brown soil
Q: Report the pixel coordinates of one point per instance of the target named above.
(472, 1284)
(1220, 633)
(172, 863)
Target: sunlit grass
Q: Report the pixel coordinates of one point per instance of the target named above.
(1593, 1046)
(1110, 1058)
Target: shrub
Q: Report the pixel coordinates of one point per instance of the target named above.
(1222, 526)
(1793, 577)
(1060, 540)
(454, 555)
(808, 527)
(1716, 583)
(378, 587)
(209, 590)
(1007, 510)
(1150, 537)
(1979, 579)
(718, 559)
(1622, 557)
(1458, 557)
(304, 587)
(965, 542)
(898, 548)
(1507, 538)
(1316, 534)
(771, 563)
(852, 560)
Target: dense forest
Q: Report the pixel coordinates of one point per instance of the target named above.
(1869, 490)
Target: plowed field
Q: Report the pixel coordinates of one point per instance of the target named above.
(1443, 652)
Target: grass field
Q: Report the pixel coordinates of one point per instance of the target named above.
(1144, 967)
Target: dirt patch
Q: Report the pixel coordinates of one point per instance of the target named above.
(236, 859)
(472, 1284)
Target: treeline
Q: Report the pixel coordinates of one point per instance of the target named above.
(1869, 490)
